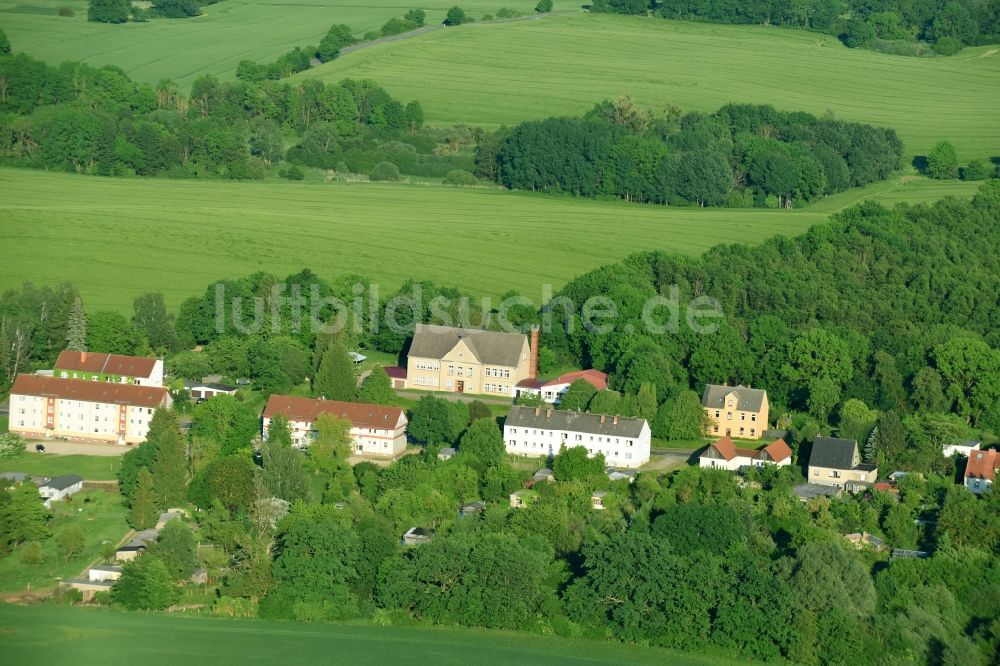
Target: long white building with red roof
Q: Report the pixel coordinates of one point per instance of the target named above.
(53, 407)
(141, 370)
(378, 431)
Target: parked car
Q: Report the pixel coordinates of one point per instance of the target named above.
(39, 448)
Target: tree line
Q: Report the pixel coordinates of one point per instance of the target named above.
(82, 119)
(946, 24)
(741, 155)
(122, 11)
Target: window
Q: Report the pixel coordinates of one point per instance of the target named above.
(729, 416)
(743, 417)
(451, 371)
(753, 418)
(468, 372)
(716, 413)
(753, 431)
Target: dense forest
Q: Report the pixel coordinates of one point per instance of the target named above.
(78, 118)
(890, 25)
(741, 155)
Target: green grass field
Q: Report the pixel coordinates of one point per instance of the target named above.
(91, 468)
(504, 73)
(116, 239)
(101, 519)
(83, 636)
(227, 32)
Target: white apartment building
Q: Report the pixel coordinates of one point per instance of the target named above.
(47, 407)
(536, 431)
(377, 431)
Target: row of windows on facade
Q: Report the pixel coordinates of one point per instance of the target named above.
(97, 429)
(753, 431)
(577, 437)
(108, 378)
(538, 445)
(52, 410)
(743, 417)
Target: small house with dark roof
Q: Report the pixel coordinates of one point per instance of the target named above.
(447, 453)
(417, 536)
(60, 487)
(544, 474)
(981, 470)
(535, 431)
(471, 509)
(837, 462)
(205, 390)
(963, 448)
(397, 376)
(468, 360)
(735, 411)
(724, 454)
(377, 431)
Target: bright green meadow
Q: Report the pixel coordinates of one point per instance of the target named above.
(91, 468)
(83, 636)
(118, 238)
(213, 43)
(492, 74)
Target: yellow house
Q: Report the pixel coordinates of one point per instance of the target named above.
(464, 360)
(836, 462)
(735, 411)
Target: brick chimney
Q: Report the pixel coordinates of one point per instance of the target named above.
(614, 420)
(602, 419)
(533, 354)
(538, 410)
(83, 357)
(548, 413)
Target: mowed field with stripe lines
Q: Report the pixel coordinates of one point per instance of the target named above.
(118, 238)
(494, 74)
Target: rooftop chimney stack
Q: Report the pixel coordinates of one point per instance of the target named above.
(615, 420)
(533, 354)
(83, 357)
(548, 413)
(538, 410)
(602, 419)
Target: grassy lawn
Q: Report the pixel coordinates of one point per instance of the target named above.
(101, 519)
(92, 468)
(504, 73)
(486, 241)
(681, 444)
(227, 32)
(85, 636)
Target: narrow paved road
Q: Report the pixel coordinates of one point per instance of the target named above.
(61, 448)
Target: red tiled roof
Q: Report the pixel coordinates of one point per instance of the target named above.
(110, 364)
(395, 372)
(307, 409)
(983, 464)
(777, 450)
(595, 378)
(89, 391)
(725, 447)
